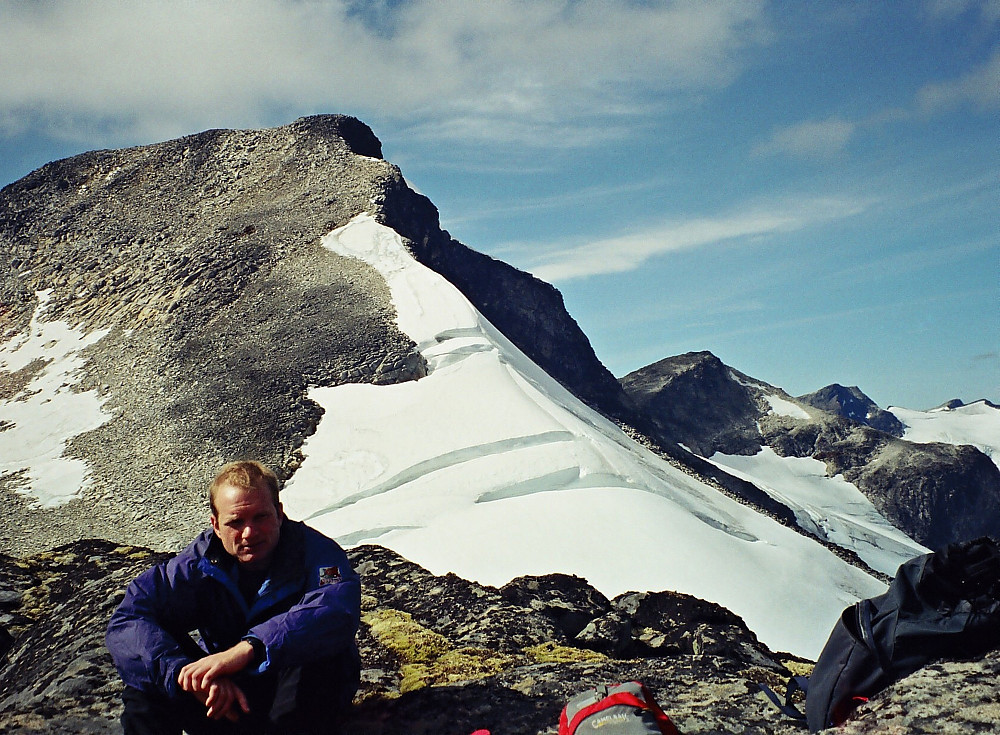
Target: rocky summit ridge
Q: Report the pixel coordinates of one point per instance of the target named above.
(199, 261)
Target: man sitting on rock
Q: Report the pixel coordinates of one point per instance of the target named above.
(277, 606)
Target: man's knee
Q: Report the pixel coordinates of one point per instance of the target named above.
(153, 713)
(147, 713)
(315, 697)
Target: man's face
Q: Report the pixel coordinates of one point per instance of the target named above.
(248, 524)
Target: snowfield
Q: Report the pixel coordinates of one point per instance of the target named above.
(977, 424)
(829, 507)
(490, 469)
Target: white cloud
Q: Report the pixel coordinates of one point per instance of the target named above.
(979, 87)
(812, 138)
(151, 67)
(989, 10)
(563, 262)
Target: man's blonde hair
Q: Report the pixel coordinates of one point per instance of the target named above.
(244, 474)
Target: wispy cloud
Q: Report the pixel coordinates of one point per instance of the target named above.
(980, 87)
(543, 71)
(563, 262)
(812, 138)
(988, 10)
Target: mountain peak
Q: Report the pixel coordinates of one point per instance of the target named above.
(668, 391)
(852, 403)
(359, 138)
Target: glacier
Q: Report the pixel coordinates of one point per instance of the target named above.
(489, 468)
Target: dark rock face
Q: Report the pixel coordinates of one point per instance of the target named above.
(852, 404)
(694, 400)
(442, 654)
(936, 493)
(528, 311)
(939, 494)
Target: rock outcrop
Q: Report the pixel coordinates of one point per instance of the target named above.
(936, 493)
(442, 654)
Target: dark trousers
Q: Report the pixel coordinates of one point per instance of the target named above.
(311, 700)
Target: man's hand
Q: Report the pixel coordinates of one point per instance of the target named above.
(209, 680)
(198, 675)
(223, 699)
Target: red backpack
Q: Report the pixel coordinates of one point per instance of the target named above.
(615, 709)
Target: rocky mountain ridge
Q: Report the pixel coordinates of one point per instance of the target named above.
(201, 257)
(936, 493)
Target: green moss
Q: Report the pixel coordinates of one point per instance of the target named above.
(799, 668)
(546, 653)
(463, 664)
(426, 658)
(410, 641)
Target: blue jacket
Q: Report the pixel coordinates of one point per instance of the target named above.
(307, 609)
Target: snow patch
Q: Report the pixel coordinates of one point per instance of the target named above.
(48, 410)
(786, 408)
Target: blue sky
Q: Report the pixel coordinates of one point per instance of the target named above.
(809, 190)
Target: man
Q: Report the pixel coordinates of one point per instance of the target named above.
(277, 606)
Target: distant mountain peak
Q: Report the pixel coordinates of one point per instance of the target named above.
(950, 405)
(727, 410)
(852, 403)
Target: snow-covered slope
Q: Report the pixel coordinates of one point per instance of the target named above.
(830, 507)
(977, 424)
(46, 409)
(489, 468)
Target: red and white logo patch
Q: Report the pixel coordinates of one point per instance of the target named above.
(329, 575)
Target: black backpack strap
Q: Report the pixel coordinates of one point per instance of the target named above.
(795, 684)
(864, 610)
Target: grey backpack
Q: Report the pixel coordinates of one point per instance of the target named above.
(615, 709)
